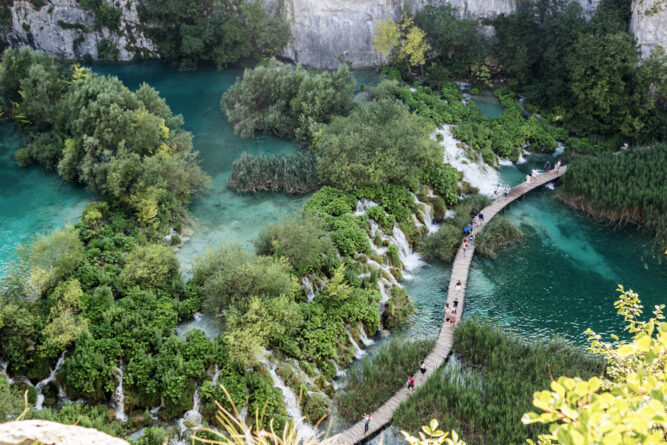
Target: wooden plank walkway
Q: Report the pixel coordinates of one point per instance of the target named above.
(382, 416)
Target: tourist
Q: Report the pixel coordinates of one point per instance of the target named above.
(466, 230)
(507, 191)
(480, 218)
(471, 238)
(423, 370)
(447, 311)
(547, 166)
(528, 178)
(452, 318)
(496, 192)
(456, 303)
(534, 173)
(367, 421)
(458, 287)
(465, 246)
(411, 383)
(557, 167)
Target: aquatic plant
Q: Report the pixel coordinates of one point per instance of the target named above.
(293, 173)
(498, 233)
(628, 188)
(377, 378)
(486, 398)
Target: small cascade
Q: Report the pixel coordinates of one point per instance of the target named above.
(358, 352)
(243, 415)
(157, 409)
(476, 172)
(386, 268)
(411, 260)
(39, 404)
(3, 370)
(550, 186)
(310, 291)
(374, 230)
(364, 338)
(192, 416)
(427, 213)
(560, 148)
(304, 431)
(216, 373)
(118, 397)
(450, 214)
(363, 205)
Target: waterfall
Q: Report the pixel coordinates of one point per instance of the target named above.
(476, 173)
(358, 352)
(310, 292)
(3, 370)
(411, 260)
(560, 148)
(364, 338)
(363, 205)
(156, 409)
(374, 230)
(118, 397)
(39, 404)
(427, 213)
(216, 373)
(303, 430)
(193, 415)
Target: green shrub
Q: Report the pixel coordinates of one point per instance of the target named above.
(329, 201)
(293, 173)
(385, 220)
(397, 309)
(175, 240)
(444, 179)
(443, 244)
(498, 233)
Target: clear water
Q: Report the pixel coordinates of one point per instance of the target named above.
(561, 279)
(221, 216)
(488, 104)
(32, 200)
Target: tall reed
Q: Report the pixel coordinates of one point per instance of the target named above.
(293, 173)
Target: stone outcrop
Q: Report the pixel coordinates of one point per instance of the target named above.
(649, 24)
(27, 432)
(62, 28)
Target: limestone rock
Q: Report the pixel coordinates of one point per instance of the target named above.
(649, 24)
(26, 432)
(61, 28)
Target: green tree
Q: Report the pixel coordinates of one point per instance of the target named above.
(626, 406)
(153, 265)
(387, 36)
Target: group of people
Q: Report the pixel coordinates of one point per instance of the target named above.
(547, 169)
(500, 191)
(468, 237)
(451, 311)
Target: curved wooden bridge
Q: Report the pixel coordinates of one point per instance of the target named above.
(443, 346)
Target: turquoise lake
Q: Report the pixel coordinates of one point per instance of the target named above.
(560, 280)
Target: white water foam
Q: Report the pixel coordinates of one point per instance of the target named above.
(427, 212)
(364, 338)
(308, 285)
(118, 397)
(475, 172)
(411, 260)
(358, 352)
(363, 205)
(192, 416)
(39, 404)
(304, 431)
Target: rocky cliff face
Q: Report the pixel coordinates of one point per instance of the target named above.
(42, 431)
(649, 24)
(62, 28)
(324, 32)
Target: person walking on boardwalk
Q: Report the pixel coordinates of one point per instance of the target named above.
(367, 421)
(423, 370)
(458, 287)
(547, 166)
(452, 317)
(507, 192)
(411, 383)
(465, 246)
(528, 178)
(557, 167)
(447, 311)
(496, 192)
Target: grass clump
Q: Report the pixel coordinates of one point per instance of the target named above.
(373, 382)
(485, 405)
(293, 173)
(499, 233)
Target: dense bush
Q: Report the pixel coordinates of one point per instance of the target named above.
(498, 233)
(289, 102)
(485, 399)
(376, 379)
(124, 145)
(378, 143)
(625, 188)
(294, 173)
(442, 245)
(220, 32)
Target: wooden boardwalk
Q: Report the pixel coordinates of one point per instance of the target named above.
(443, 346)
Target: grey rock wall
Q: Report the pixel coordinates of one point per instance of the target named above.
(43, 29)
(649, 24)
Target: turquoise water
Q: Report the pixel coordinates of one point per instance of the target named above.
(561, 279)
(32, 200)
(488, 104)
(220, 216)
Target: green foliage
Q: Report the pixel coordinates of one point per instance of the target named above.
(457, 43)
(349, 236)
(293, 103)
(378, 143)
(442, 245)
(87, 416)
(329, 201)
(397, 309)
(230, 275)
(376, 379)
(303, 241)
(126, 146)
(212, 31)
(107, 50)
(634, 191)
(106, 16)
(498, 233)
(153, 265)
(396, 200)
(485, 398)
(383, 218)
(152, 436)
(294, 173)
(444, 179)
(627, 404)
